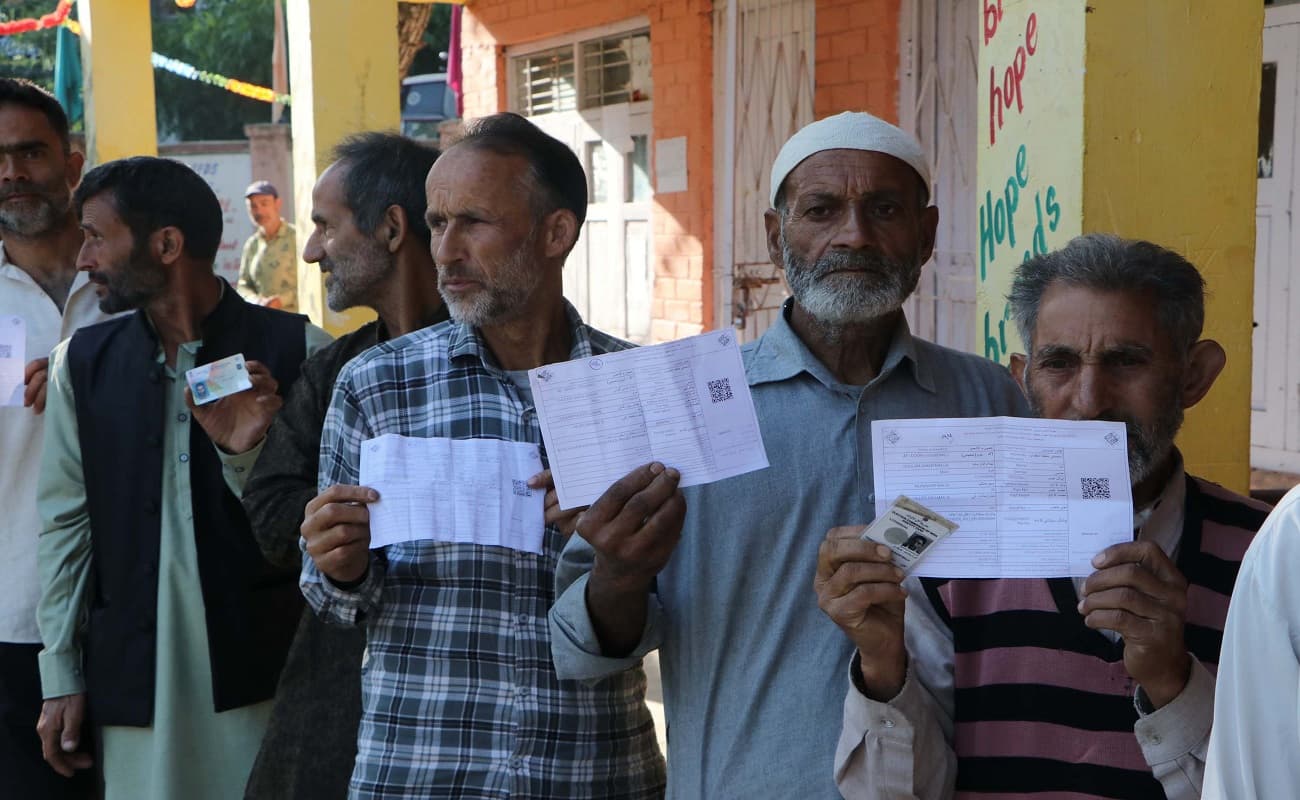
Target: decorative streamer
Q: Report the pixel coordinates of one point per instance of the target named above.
(51, 20)
(177, 67)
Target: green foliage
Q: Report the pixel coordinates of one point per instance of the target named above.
(228, 37)
(436, 39)
(28, 55)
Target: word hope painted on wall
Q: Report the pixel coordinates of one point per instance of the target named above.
(1010, 91)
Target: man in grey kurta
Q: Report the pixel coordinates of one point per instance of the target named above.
(185, 737)
(754, 673)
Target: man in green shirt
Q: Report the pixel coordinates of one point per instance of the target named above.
(268, 268)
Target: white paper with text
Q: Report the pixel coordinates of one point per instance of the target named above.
(13, 359)
(453, 490)
(685, 404)
(1035, 498)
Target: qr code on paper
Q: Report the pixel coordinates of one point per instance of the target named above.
(521, 489)
(1095, 488)
(720, 390)
(6, 351)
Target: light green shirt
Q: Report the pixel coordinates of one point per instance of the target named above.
(269, 267)
(189, 751)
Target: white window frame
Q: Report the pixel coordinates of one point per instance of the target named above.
(572, 39)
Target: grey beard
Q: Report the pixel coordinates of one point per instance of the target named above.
(499, 301)
(849, 299)
(43, 219)
(1148, 447)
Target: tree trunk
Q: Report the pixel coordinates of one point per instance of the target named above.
(412, 20)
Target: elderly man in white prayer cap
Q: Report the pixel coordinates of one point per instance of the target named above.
(755, 674)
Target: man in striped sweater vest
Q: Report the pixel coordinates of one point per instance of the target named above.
(1068, 688)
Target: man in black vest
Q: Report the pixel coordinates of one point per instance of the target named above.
(371, 241)
(162, 622)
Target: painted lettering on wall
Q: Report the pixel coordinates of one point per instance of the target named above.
(1029, 171)
(1009, 89)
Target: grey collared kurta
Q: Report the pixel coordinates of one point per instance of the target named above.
(190, 751)
(754, 673)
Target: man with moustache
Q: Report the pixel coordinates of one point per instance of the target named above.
(459, 697)
(1096, 687)
(372, 243)
(163, 624)
(268, 266)
(754, 674)
(40, 290)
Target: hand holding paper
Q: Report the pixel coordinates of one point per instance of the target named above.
(685, 404)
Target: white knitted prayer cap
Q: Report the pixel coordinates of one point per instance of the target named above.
(850, 130)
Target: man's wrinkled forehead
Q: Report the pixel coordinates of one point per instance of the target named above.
(841, 172)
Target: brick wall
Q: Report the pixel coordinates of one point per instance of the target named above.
(682, 70)
(857, 57)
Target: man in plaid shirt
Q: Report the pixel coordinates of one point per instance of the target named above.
(459, 695)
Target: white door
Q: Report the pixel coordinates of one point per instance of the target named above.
(609, 277)
(939, 76)
(767, 95)
(1275, 370)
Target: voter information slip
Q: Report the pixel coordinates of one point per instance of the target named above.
(1035, 498)
(211, 382)
(909, 530)
(685, 404)
(13, 359)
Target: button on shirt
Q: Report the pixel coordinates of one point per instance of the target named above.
(21, 433)
(458, 690)
(753, 671)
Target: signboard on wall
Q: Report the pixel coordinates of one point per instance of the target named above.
(1030, 153)
(229, 175)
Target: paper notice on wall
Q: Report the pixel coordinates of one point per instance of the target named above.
(670, 165)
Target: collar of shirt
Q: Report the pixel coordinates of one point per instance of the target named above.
(284, 226)
(1162, 521)
(780, 355)
(13, 272)
(465, 341)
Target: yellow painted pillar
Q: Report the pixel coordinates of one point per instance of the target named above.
(343, 79)
(1138, 119)
(116, 42)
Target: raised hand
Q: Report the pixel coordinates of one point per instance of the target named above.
(860, 590)
(1139, 593)
(237, 422)
(337, 531)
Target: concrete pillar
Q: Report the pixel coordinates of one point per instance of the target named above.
(116, 41)
(343, 78)
(1137, 119)
(270, 149)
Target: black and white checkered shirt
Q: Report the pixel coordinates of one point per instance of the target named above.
(459, 694)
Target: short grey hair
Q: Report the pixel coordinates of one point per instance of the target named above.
(1108, 263)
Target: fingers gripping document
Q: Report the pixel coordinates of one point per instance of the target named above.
(684, 403)
(454, 490)
(1034, 498)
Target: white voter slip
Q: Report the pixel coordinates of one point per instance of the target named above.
(473, 491)
(685, 404)
(13, 359)
(1035, 498)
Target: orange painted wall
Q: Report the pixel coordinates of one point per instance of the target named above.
(857, 57)
(681, 34)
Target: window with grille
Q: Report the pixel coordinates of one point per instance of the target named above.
(585, 74)
(545, 82)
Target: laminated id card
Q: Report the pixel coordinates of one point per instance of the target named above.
(211, 382)
(909, 529)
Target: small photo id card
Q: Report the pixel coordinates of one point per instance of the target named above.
(211, 382)
(910, 530)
